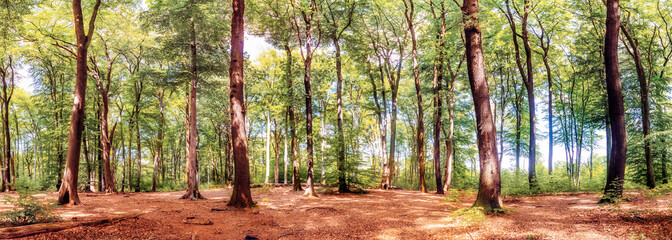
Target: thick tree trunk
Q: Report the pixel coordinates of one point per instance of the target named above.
(489, 188)
(241, 196)
(67, 193)
(192, 158)
(616, 171)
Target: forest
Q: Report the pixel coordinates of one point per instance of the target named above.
(345, 119)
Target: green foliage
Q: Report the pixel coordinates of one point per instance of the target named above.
(27, 210)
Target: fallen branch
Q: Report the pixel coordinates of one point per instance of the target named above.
(28, 230)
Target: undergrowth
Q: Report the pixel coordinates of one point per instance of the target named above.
(27, 210)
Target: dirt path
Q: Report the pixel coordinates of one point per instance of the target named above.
(398, 214)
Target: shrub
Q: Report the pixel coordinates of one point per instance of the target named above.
(27, 210)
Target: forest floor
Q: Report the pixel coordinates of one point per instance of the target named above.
(395, 214)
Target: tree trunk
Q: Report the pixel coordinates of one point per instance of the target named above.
(645, 108)
(241, 196)
(310, 191)
(449, 140)
(276, 171)
(296, 175)
(616, 171)
(268, 145)
(192, 158)
(409, 11)
(489, 188)
(67, 194)
(342, 184)
(437, 83)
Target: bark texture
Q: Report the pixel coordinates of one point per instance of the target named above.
(489, 187)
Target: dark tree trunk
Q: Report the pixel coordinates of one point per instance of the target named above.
(437, 83)
(67, 194)
(310, 191)
(8, 174)
(342, 184)
(241, 196)
(527, 75)
(645, 108)
(192, 133)
(296, 175)
(489, 188)
(616, 171)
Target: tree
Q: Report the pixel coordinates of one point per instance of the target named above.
(409, 12)
(309, 16)
(8, 77)
(68, 189)
(527, 74)
(192, 131)
(335, 30)
(616, 170)
(103, 84)
(489, 187)
(644, 85)
(241, 196)
(439, 15)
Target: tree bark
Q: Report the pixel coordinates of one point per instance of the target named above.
(437, 84)
(67, 194)
(342, 184)
(268, 145)
(616, 171)
(489, 187)
(409, 11)
(296, 175)
(241, 196)
(645, 108)
(7, 177)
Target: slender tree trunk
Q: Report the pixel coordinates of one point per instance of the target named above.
(285, 150)
(296, 176)
(489, 188)
(276, 172)
(409, 11)
(310, 191)
(138, 148)
(437, 83)
(616, 171)
(449, 140)
(229, 152)
(67, 193)
(241, 196)
(268, 145)
(342, 184)
(192, 158)
(645, 108)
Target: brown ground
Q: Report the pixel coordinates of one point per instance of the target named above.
(397, 214)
